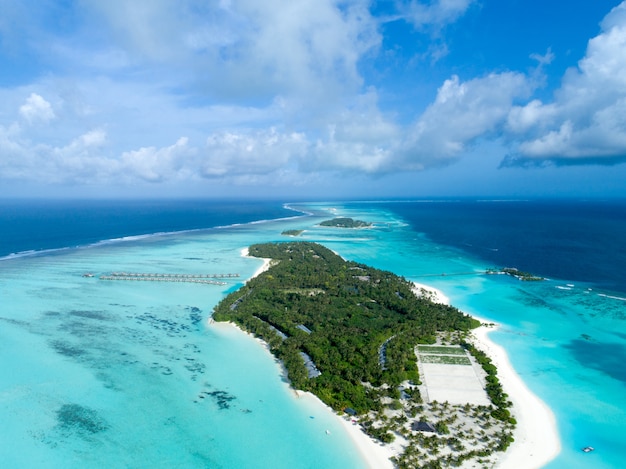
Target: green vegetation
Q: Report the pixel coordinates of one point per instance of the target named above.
(292, 232)
(518, 274)
(494, 389)
(441, 350)
(345, 223)
(445, 359)
(360, 326)
(352, 310)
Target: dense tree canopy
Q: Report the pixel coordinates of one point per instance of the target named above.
(356, 323)
(344, 222)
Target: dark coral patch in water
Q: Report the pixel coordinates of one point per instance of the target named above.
(80, 419)
(99, 315)
(67, 349)
(195, 315)
(222, 398)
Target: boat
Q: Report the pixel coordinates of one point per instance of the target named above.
(588, 449)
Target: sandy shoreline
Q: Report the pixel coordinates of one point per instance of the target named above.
(245, 252)
(376, 456)
(536, 435)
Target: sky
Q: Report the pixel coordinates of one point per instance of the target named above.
(313, 98)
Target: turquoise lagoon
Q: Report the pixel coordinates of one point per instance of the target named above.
(130, 374)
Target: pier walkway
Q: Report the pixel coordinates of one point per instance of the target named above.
(449, 274)
(161, 277)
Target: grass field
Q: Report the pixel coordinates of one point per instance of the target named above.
(440, 350)
(445, 359)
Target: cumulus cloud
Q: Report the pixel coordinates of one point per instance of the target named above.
(461, 113)
(586, 122)
(36, 109)
(277, 94)
(156, 164)
(298, 61)
(255, 153)
(545, 59)
(244, 48)
(79, 161)
(359, 138)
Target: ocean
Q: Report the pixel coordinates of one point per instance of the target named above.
(103, 373)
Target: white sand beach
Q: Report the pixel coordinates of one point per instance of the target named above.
(266, 263)
(376, 456)
(536, 435)
(432, 293)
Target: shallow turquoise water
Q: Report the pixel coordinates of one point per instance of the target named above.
(110, 374)
(128, 374)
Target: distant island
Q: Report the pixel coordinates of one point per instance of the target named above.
(518, 274)
(344, 222)
(292, 232)
(350, 334)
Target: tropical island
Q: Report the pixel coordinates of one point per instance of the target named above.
(353, 335)
(344, 222)
(292, 232)
(518, 274)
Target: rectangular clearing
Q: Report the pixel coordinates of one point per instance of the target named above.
(450, 379)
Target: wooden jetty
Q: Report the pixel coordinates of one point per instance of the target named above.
(449, 274)
(163, 277)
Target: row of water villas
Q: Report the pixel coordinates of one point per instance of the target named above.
(162, 277)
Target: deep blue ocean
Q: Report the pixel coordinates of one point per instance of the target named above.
(36, 225)
(128, 374)
(566, 239)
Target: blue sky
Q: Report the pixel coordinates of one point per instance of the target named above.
(313, 98)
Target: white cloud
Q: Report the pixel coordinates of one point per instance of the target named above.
(305, 49)
(274, 91)
(80, 161)
(156, 164)
(436, 13)
(359, 139)
(586, 121)
(545, 59)
(462, 112)
(36, 109)
(255, 153)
